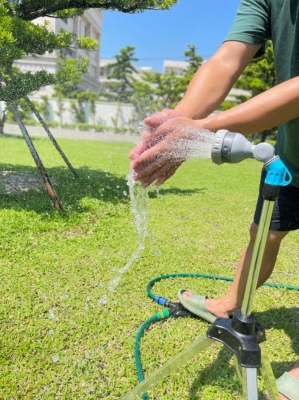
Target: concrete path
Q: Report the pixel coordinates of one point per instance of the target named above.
(13, 129)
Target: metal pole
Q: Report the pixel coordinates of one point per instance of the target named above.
(257, 257)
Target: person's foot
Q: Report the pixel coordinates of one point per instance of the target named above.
(295, 373)
(219, 307)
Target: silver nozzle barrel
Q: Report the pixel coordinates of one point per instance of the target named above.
(231, 147)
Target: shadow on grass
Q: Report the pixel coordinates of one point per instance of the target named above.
(94, 184)
(221, 373)
(176, 191)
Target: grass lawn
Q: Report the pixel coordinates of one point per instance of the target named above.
(58, 339)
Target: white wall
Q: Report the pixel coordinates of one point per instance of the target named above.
(103, 115)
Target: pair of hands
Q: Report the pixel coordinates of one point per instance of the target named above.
(154, 158)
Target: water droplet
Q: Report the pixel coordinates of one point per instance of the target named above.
(55, 358)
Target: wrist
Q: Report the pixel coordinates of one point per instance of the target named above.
(209, 124)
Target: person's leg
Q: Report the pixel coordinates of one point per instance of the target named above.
(233, 299)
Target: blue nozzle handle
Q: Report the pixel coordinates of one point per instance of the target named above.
(277, 173)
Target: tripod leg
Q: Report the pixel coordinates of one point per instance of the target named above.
(268, 375)
(171, 365)
(249, 381)
(238, 369)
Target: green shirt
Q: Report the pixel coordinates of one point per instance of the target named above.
(278, 20)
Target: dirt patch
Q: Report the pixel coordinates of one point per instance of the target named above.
(12, 182)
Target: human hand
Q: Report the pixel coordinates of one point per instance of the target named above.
(171, 144)
(152, 123)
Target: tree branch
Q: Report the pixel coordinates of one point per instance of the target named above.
(32, 9)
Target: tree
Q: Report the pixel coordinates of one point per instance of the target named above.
(31, 9)
(80, 102)
(155, 91)
(2, 122)
(143, 99)
(120, 88)
(17, 39)
(20, 37)
(194, 60)
(79, 99)
(258, 77)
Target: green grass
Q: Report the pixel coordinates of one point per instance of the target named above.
(58, 341)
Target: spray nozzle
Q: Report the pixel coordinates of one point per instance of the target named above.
(231, 147)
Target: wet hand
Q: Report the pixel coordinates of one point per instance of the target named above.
(164, 151)
(152, 123)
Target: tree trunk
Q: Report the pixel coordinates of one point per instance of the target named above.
(38, 161)
(2, 122)
(51, 137)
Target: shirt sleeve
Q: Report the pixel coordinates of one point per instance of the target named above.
(251, 24)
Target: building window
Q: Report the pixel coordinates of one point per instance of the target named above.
(87, 30)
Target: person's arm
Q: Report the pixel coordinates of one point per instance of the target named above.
(206, 91)
(215, 78)
(271, 108)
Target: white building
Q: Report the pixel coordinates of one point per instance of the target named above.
(89, 24)
(178, 67)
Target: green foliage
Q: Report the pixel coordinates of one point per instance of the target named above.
(23, 108)
(226, 105)
(194, 61)
(143, 98)
(168, 89)
(66, 86)
(155, 91)
(43, 107)
(70, 89)
(31, 9)
(120, 88)
(79, 104)
(19, 38)
(258, 77)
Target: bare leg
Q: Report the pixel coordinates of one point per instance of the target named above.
(233, 299)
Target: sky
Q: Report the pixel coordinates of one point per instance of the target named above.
(165, 35)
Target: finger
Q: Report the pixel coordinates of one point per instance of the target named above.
(144, 144)
(143, 171)
(151, 159)
(166, 176)
(154, 136)
(156, 119)
(159, 118)
(138, 149)
(156, 175)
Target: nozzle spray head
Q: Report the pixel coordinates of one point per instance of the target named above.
(231, 147)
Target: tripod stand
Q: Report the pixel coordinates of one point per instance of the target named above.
(241, 334)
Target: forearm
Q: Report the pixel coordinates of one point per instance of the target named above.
(267, 110)
(214, 79)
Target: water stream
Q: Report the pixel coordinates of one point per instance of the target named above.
(197, 145)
